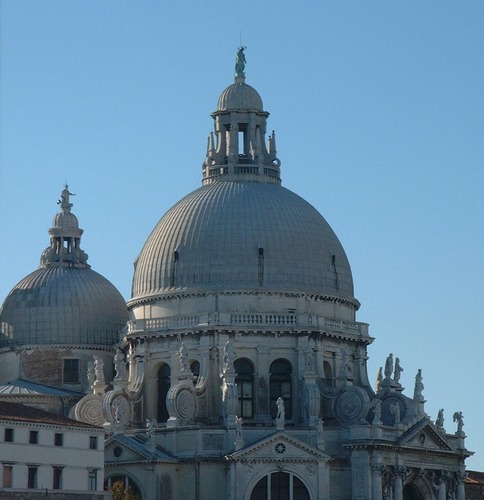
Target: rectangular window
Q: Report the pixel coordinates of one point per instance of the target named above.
(32, 477)
(57, 478)
(34, 437)
(59, 439)
(9, 435)
(92, 480)
(93, 442)
(70, 371)
(7, 475)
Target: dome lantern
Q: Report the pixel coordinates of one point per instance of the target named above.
(65, 238)
(237, 151)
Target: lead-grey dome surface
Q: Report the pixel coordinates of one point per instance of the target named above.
(241, 236)
(239, 97)
(63, 305)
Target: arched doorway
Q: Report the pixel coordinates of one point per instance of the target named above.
(122, 486)
(411, 492)
(280, 486)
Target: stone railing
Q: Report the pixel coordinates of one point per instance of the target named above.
(264, 320)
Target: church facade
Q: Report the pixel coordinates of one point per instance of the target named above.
(242, 371)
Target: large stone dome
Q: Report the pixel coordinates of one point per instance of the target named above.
(63, 306)
(63, 302)
(236, 236)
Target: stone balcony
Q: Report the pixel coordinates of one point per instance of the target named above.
(259, 321)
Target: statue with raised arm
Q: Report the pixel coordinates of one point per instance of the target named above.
(64, 201)
(240, 62)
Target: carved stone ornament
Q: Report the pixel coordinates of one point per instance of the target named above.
(352, 405)
(181, 404)
(393, 410)
(90, 410)
(117, 408)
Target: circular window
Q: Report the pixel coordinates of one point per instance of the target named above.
(280, 448)
(117, 451)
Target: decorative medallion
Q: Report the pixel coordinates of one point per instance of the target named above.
(352, 405)
(90, 410)
(182, 403)
(393, 410)
(117, 408)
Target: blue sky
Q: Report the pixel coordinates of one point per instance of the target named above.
(379, 112)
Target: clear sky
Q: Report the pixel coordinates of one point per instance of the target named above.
(378, 109)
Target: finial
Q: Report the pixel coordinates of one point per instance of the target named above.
(240, 61)
(64, 201)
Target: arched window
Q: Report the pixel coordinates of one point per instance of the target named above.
(280, 374)
(280, 486)
(245, 387)
(328, 370)
(163, 388)
(195, 369)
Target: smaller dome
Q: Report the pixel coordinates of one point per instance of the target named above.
(240, 97)
(65, 221)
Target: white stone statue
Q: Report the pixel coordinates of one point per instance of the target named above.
(440, 420)
(150, 429)
(280, 416)
(398, 370)
(183, 357)
(119, 413)
(389, 367)
(229, 356)
(119, 365)
(320, 433)
(376, 403)
(99, 370)
(379, 379)
(309, 359)
(395, 411)
(459, 418)
(91, 376)
(419, 387)
(239, 438)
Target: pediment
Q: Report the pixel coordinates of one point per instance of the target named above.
(279, 446)
(424, 435)
(121, 449)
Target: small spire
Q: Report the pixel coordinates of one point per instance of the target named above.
(64, 201)
(240, 61)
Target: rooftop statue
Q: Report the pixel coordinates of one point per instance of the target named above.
(64, 201)
(240, 62)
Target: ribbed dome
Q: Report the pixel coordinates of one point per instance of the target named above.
(242, 236)
(63, 305)
(239, 97)
(65, 221)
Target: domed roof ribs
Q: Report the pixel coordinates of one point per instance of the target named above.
(65, 238)
(240, 153)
